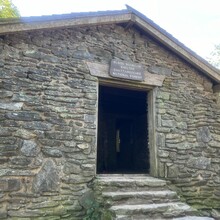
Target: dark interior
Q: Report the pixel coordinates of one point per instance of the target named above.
(122, 131)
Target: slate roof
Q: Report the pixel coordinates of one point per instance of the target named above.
(131, 15)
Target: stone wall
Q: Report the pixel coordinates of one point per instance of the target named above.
(48, 126)
(188, 136)
(48, 113)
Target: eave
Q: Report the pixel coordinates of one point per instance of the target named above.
(63, 21)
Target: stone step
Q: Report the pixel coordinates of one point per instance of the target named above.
(140, 197)
(143, 217)
(163, 210)
(137, 217)
(128, 182)
(193, 218)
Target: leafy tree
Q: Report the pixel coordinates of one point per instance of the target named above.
(214, 58)
(8, 9)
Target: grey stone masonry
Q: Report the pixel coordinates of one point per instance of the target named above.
(135, 197)
(48, 119)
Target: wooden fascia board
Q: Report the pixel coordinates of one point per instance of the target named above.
(82, 21)
(177, 49)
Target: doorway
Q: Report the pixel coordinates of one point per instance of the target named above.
(122, 131)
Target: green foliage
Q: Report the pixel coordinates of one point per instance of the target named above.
(214, 58)
(95, 210)
(8, 9)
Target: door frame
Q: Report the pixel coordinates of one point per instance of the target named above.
(152, 91)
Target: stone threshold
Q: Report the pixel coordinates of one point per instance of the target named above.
(124, 175)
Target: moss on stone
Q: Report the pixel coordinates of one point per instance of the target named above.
(94, 206)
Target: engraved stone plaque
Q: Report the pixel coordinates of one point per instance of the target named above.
(126, 70)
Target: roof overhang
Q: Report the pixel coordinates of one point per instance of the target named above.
(112, 17)
(63, 21)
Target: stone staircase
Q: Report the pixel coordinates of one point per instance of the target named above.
(141, 197)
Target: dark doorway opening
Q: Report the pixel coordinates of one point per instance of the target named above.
(122, 131)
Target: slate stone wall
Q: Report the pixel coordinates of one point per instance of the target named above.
(188, 136)
(48, 126)
(48, 114)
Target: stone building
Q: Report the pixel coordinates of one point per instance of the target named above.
(105, 115)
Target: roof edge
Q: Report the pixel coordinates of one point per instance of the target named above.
(56, 17)
(62, 21)
(175, 45)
